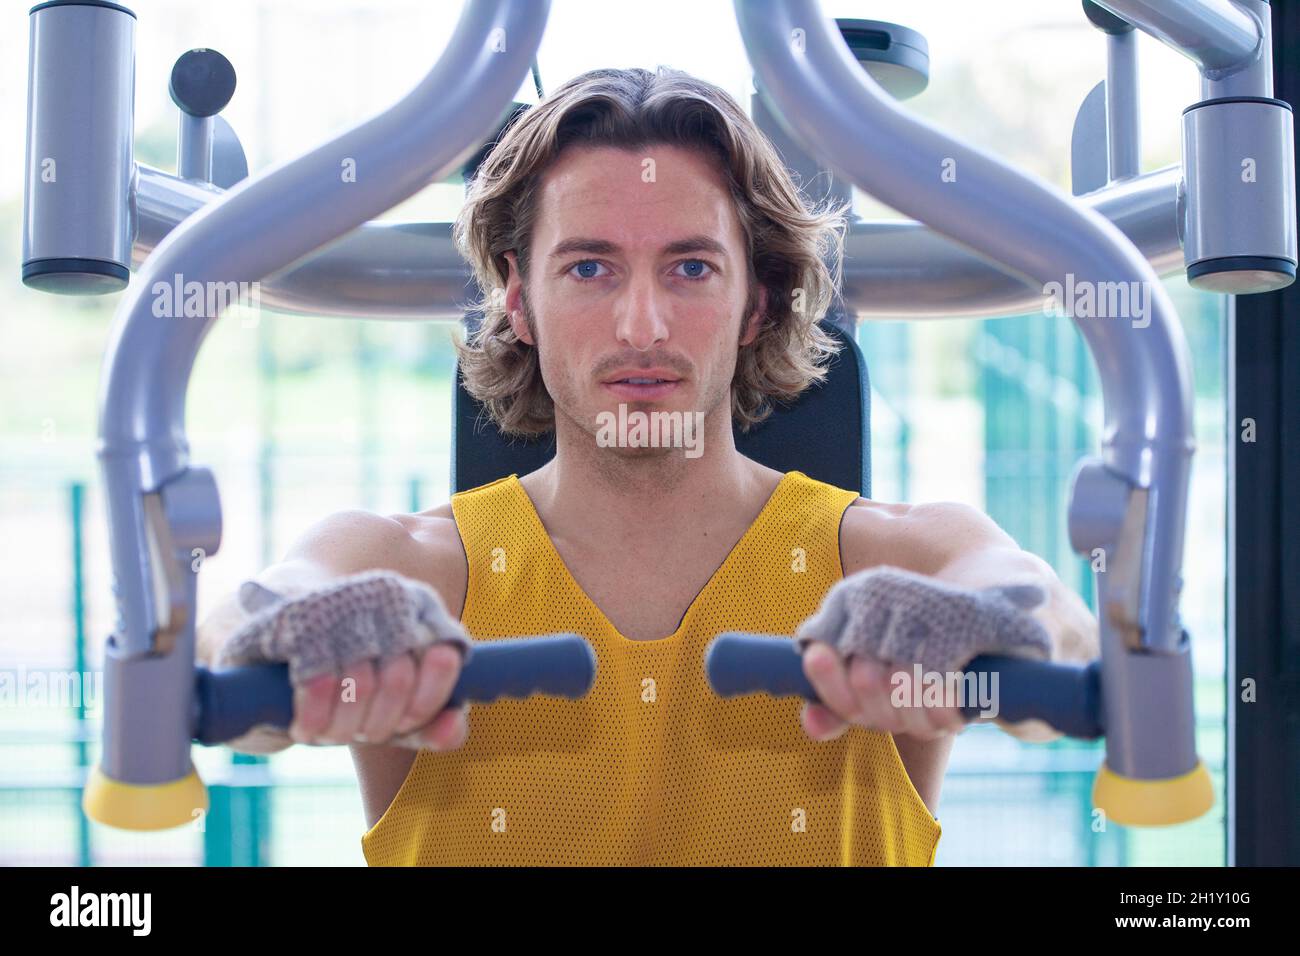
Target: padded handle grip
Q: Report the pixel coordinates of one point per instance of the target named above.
(739, 664)
(1066, 696)
(229, 703)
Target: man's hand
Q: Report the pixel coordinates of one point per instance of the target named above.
(858, 691)
(372, 658)
(402, 702)
(873, 626)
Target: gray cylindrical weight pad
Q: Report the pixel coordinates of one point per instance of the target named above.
(1239, 166)
(80, 102)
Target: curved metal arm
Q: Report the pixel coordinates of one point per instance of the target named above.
(1040, 234)
(381, 269)
(892, 268)
(1028, 226)
(905, 269)
(276, 218)
(1213, 34)
(261, 225)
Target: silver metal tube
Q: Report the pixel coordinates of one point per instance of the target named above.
(892, 269)
(1213, 34)
(380, 270)
(1123, 125)
(1239, 167)
(80, 130)
(908, 270)
(1254, 78)
(194, 147)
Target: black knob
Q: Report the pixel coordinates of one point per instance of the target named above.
(202, 83)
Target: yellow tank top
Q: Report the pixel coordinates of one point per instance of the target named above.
(651, 767)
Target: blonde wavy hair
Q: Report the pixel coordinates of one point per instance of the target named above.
(789, 241)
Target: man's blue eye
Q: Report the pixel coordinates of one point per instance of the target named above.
(586, 269)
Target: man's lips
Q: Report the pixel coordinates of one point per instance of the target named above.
(641, 374)
(640, 390)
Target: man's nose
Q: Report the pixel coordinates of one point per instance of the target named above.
(641, 322)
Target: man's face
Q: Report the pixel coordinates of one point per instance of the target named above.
(638, 270)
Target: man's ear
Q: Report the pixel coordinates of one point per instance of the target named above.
(754, 322)
(514, 303)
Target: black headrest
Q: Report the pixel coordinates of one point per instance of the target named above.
(825, 433)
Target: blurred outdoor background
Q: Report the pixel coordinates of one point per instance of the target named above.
(300, 416)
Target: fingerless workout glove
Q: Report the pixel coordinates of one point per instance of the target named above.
(376, 614)
(902, 618)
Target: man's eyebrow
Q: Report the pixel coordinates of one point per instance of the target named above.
(603, 247)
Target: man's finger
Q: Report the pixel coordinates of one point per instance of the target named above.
(869, 684)
(825, 671)
(447, 731)
(396, 682)
(821, 724)
(313, 707)
(436, 679)
(911, 715)
(354, 701)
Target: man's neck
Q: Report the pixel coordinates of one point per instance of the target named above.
(612, 501)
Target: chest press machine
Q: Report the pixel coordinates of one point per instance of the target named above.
(987, 240)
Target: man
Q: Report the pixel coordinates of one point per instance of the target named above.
(641, 245)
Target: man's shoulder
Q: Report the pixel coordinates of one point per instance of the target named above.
(424, 546)
(436, 515)
(432, 531)
(915, 537)
(437, 554)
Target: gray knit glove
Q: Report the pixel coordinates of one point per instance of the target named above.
(376, 614)
(903, 618)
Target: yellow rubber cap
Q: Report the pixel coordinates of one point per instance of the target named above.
(131, 806)
(1134, 802)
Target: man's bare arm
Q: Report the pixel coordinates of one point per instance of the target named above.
(965, 547)
(341, 545)
(960, 545)
(345, 543)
